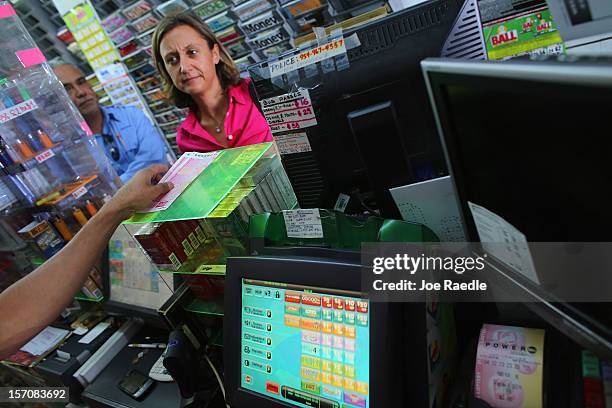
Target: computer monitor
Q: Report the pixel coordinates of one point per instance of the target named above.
(298, 332)
(528, 141)
(374, 127)
(137, 288)
(582, 21)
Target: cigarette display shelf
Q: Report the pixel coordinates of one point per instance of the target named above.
(221, 198)
(35, 158)
(54, 175)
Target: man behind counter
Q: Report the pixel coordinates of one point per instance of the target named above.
(128, 138)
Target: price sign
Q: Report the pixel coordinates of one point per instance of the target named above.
(46, 155)
(289, 111)
(80, 192)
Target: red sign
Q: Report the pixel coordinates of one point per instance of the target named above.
(311, 300)
(349, 304)
(17, 110)
(362, 306)
(338, 304)
(79, 192)
(326, 301)
(47, 154)
(272, 388)
(293, 297)
(504, 38)
(545, 26)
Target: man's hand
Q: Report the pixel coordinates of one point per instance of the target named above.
(139, 192)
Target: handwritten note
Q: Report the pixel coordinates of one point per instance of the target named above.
(307, 57)
(289, 111)
(292, 143)
(303, 223)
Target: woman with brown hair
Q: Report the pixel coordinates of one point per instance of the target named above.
(198, 73)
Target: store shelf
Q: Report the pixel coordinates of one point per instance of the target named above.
(133, 53)
(141, 35)
(170, 108)
(72, 189)
(150, 91)
(36, 159)
(137, 67)
(121, 44)
(172, 122)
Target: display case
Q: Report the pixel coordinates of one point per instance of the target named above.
(209, 221)
(54, 176)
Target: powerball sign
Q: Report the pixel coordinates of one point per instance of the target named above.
(289, 111)
(307, 57)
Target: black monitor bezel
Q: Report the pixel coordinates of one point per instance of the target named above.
(438, 72)
(309, 272)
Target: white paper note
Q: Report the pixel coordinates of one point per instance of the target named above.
(305, 223)
(95, 332)
(503, 241)
(44, 341)
(293, 143)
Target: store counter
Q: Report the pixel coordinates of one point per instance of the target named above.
(104, 391)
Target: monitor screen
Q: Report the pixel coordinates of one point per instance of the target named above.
(305, 346)
(535, 152)
(134, 280)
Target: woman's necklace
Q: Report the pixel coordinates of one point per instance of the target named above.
(219, 124)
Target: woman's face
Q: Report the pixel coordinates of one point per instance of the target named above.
(189, 60)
